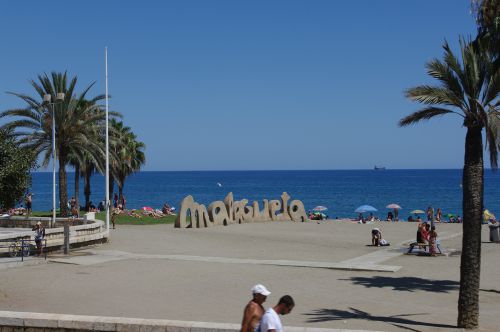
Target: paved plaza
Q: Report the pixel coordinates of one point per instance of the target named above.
(337, 280)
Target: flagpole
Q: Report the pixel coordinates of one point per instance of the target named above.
(107, 144)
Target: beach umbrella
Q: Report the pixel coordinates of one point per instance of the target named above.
(393, 206)
(449, 215)
(365, 208)
(417, 212)
(320, 208)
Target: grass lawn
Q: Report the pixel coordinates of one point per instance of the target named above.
(122, 219)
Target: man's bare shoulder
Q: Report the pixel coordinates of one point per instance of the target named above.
(254, 307)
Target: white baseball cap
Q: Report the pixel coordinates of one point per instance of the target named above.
(260, 289)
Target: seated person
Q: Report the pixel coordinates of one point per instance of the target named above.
(410, 218)
(376, 237)
(424, 233)
(390, 216)
(101, 206)
(75, 213)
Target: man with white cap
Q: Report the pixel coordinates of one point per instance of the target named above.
(254, 309)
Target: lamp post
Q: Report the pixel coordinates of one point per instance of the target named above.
(47, 101)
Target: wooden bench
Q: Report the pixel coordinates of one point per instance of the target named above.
(425, 246)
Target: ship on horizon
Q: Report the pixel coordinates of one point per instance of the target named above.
(379, 168)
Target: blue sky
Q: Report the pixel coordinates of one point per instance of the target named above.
(233, 85)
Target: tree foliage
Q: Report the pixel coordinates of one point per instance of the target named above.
(16, 163)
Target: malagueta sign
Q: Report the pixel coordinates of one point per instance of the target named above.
(230, 211)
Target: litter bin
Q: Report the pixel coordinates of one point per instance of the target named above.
(494, 233)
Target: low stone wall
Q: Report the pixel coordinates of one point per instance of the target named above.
(29, 222)
(11, 321)
(88, 231)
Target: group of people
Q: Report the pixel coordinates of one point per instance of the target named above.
(257, 319)
(427, 235)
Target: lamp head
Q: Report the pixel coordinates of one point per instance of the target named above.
(60, 96)
(47, 98)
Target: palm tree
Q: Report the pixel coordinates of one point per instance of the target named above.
(73, 118)
(469, 89)
(128, 151)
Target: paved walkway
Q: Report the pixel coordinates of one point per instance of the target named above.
(102, 256)
(205, 275)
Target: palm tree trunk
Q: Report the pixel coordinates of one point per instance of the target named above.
(86, 188)
(472, 205)
(121, 184)
(63, 187)
(111, 188)
(77, 186)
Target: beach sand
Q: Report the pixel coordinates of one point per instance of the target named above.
(135, 275)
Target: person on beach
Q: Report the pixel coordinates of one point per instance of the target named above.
(439, 214)
(429, 213)
(390, 216)
(433, 242)
(29, 201)
(254, 310)
(376, 237)
(115, 201)
(39, 236)
(425, 233)
(271, 320)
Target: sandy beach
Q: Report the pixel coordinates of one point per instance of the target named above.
(206, 275)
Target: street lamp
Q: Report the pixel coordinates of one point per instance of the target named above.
(47, 101)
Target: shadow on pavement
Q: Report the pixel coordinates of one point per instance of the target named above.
(324, 315)
(407, 284)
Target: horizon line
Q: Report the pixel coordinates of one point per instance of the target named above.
(287, 170)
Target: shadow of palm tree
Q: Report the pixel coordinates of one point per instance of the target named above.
(324, 315)
(407, 284)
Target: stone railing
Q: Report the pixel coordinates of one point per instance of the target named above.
(86, 231)
(31, 321)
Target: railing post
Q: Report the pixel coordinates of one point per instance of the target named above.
(66, 237)
(22, 249)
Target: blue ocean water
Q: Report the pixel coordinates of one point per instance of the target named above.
(342, 191)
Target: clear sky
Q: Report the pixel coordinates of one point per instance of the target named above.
(249, 85)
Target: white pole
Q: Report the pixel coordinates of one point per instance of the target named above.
(53, 165)
(107, 144)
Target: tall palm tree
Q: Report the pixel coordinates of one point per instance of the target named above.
(128, 151)
(33, 124)
(469, 87)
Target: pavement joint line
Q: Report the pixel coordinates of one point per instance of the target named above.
(101, 256)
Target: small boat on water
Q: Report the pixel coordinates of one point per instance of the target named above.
(379, 168)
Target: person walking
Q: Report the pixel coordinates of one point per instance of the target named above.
(271, 321)
(254, 310)
(39, 236)
(29, 201)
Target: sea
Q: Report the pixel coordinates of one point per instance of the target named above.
(341, 191)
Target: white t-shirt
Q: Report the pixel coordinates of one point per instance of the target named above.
(270, 321)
